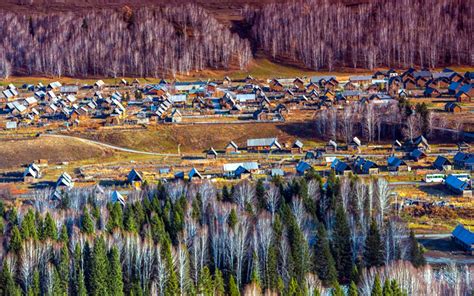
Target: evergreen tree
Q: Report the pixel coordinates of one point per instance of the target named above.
(233, 288)
(376, 288)
(63, 269)
(63, 236)
(28, 227)
(13, 216)
(416, 252)
(232, 219)
(298, 245)
(396, 291)
(115, 273)
(226, 196)
(99, 268)
(87, 269)
(387, 288)
(35, 288)
(50, 230)
(7, 284)
(355, 276)
(294, 288)
(87, 223)
(137, 289)
(255, 274)
(16, 241)
(337, 290)
(342, 249)
(260, 194)
(219, 286)
(205, 284)
(81, 286)
(353, 290)
(116, 216)
(58, 288)
(373, 252)
(324, 262)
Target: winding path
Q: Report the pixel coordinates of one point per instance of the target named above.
(92, 142)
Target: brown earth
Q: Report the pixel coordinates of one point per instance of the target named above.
(200, 137)
(23, 151)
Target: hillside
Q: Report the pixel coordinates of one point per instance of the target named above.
(154, 38)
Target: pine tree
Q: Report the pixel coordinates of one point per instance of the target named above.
(87, 266)
(232, 219)
(28, 227)
(116, 217)
(255, 274)
(219, 286)
(7, 284)
(58, 288)
(355, 276)
(260, 194)
(387, 288)
(226, 194)
(16, 241)
(376, 288)
(294, 288)
(337, 290)
(115, 273)
(396, 291)
(81, 286)
(35, 288)
(324, 262)
(416, 252)
(63, 269)
(87, 225)
(342, 249)
(99, 268)
(205, 285)
(50, 230)
(233, 288)
(373, 252)
(353, 290)
(63, 236)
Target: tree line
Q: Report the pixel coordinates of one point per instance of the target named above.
(107, 42)
(323, 34)
(297, 237)
(170, 39)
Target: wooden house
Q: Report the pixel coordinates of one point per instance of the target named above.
(355, 145)
(297, 147)
(135, 179)
(409, 83)
(31, 173)
(395, 164)
(175, 116)
(275, 85)
(465, 94)
(211, 153)
(298, 84)
(263, 144)
(452, 107)
(194, 175)
(331, 146)
(231, 148)
(227, 81)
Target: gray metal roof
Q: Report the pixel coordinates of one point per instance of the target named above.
(263, 142)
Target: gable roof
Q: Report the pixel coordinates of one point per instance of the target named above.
(463, 234)
(454, 183)
(394, 161)
(302, 166)
(194, 173)
(232, 144)
(263, 142)
(440, 162)
(134, 175)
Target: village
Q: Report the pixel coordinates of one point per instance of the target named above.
(420, 173)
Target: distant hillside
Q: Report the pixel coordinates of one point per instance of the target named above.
(156, 37)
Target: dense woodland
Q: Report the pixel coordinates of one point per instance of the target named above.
(141, 42)
(296, 237)
(321, 34)
(317, 34)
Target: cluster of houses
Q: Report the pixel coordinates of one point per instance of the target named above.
(249, 98)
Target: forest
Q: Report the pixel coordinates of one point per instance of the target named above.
(180, 38)
(107, 42)
(297, 237)
(377, 122)
(320, 34)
